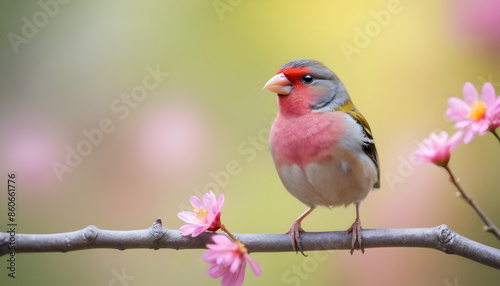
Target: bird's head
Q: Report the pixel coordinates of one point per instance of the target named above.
(306, 85)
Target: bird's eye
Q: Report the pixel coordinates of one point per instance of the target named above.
(307, 79)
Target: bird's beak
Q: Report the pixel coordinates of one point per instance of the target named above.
(279, 84)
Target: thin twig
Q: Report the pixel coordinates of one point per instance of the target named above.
(489, 224)
(495, 134)
(440, 238)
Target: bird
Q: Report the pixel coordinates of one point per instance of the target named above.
(321, 145)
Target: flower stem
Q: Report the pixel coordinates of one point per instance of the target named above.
(241, 245)
(489, 225)
(224, 229)
(495, 134)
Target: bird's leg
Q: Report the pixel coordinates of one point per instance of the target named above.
(295, 230)
(356, 232)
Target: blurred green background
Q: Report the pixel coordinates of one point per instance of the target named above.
(65, 67)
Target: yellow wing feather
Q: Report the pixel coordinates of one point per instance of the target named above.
(369, 147)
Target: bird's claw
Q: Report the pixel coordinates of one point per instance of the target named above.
(294, 233)
(356, 235)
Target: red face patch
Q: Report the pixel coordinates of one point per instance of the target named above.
(294, 74)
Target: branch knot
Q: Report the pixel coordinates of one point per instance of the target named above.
(4, 239)
(157, 230)
(445, 236)
(90, 233)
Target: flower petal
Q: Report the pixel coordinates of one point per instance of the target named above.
(219, 247)
(199, 230)
(227, 258)
(188, 217)
(254, 265)
(236, 263)
(470, 93)
(455, 139)
(220, 201)
(210, 256)
(216, 271)
(488, 94)
(468, 136)
(458, 109)
(223, 240)
(234, 279)
(196, 202)
(187, 229)
(462, 124)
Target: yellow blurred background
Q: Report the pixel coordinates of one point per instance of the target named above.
(175, 90)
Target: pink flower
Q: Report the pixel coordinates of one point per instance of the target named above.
(477, 22)
(206, 215)
(229, 259)
(475, 116)
(436, 149)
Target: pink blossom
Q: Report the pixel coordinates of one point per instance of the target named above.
(477, 22)
(205, 215)
(229, 259)
(493, 111)
(475, 115)
(436, 149)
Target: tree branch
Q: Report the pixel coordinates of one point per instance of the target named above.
(490, 226)
(440, 238)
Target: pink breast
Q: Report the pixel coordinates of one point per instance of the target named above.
(304, 139)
